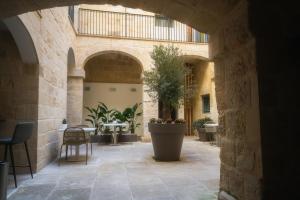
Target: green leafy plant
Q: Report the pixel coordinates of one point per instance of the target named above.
(152, 120)
(100, 115)
(201, 122)
(94, 117)
(167, 79)
(131, 114)
(179, 121)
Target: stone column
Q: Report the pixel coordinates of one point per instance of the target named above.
(233, 50)
(75, 97)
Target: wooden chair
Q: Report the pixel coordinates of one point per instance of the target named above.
(74, 136)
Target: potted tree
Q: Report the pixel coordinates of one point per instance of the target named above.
(166, 85)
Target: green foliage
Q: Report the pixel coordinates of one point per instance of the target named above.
(179, 121)
(99, 115)
(102, 114)
(166, 80)
(200, 122)
(130, 115)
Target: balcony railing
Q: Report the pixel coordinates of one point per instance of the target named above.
(144, 27)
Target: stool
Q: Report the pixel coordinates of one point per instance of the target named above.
(22, 133)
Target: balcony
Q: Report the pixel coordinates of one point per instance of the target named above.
(135, 26)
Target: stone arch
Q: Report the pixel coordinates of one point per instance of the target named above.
(114, 78)
(130, 55)
(233, 39)
(23, 40)
(19, 77)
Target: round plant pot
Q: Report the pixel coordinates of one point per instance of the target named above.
(167, 140)
(202, 134)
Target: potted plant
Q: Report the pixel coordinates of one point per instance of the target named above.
(131, 116)
(97, 117)
(199, 125)
(166, 85)
(64, 124)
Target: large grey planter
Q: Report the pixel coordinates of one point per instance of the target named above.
(3, 179)
(167, 140)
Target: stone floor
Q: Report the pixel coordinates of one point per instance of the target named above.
(127, 172)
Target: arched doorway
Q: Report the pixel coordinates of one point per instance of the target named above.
(114, 78)
(238, 54)
(19, 72)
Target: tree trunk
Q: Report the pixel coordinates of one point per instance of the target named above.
(166, 112)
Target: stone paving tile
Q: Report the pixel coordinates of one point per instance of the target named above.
(150, 192)
(115, 192)
(74, 194)
(36, 192)
(127, 172)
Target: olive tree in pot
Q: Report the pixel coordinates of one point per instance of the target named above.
(166, 85)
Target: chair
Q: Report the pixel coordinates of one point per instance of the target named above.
(74, 136)
(22, 133)
(85, 126)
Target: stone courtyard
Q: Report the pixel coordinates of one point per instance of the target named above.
(127, 172)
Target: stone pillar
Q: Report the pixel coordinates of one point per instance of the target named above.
(234, 53)
(75, 97)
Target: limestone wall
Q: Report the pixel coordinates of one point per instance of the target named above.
(233, 51)
(18, 94)
(52, 35)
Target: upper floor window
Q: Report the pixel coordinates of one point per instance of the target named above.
(71, 13)
(163, 21)
(206, 103)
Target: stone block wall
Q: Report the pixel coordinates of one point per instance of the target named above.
(18, 95)
(52, 35)
(233, 51)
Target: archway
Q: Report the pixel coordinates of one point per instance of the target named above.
(238, 54)
(19, 72)
(114, 78)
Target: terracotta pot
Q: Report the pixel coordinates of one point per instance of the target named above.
(167, 140)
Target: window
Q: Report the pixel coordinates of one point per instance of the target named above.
(71, 13)
(163, 21)
(206, 103)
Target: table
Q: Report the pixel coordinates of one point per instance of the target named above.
(114, 134)
(86, 129)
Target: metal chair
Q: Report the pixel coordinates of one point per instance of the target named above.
(85, 126)
(74, 136)
(22, 133)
